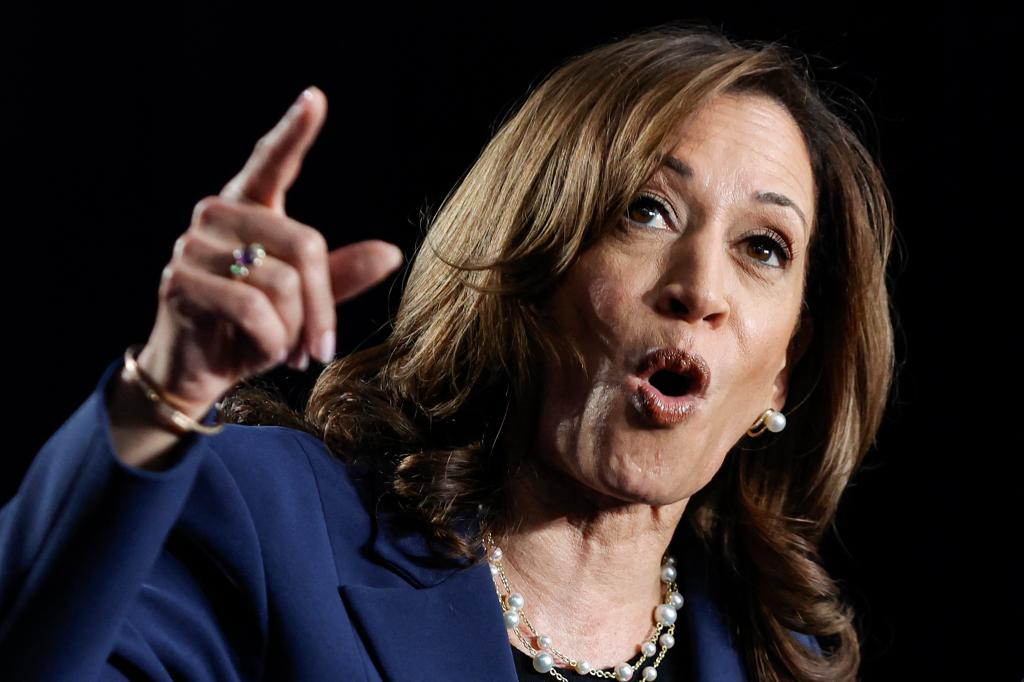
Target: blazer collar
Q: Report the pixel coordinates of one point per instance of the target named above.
(404, 547)
(449, 626)
(451, 623)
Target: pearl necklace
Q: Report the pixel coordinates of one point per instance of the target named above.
(542, 649)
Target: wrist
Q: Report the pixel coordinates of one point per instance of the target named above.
(181, 416)
(157, 372)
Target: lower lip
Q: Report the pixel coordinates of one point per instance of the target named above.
(658, 408)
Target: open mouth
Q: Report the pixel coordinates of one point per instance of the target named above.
(671, 383)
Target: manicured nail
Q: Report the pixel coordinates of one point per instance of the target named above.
(395, 258)
(325, 351)
(298, 104)
(299, 360)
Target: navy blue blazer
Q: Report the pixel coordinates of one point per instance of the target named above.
(258, 555)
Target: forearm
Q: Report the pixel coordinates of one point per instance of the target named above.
(76, 542)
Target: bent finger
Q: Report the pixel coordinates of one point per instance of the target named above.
(302, 246)
(201, 297)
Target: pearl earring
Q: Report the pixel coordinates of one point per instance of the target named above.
(771, 420)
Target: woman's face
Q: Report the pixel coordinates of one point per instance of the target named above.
(716, 271)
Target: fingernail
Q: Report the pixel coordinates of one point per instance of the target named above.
(396, 257)
(298, 360)
(299, 103)
(283, 356)
(326, 347)
(304, 96)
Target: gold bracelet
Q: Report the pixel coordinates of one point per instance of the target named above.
(177, 419)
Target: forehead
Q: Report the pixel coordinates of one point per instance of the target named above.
(748, 146)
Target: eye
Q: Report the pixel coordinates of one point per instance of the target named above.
(769, 248)
(646, 205)
(766, 246)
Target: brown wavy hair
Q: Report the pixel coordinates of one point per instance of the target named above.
(425, 407)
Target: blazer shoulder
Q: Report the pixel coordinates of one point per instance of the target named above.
(289, 478)
(279, 458)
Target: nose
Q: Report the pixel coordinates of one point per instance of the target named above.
(693, 289)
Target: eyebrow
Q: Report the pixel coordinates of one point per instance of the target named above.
(763, 197)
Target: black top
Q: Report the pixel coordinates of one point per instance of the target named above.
(675, 667)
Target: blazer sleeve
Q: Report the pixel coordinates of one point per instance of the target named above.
(91, 585)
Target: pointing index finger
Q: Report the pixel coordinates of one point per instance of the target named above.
(277, 157)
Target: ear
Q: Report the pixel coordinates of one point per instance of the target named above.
(798, 344)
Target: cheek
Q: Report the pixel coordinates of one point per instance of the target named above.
(593, 316)
(596, 306)
(611, 304)
(760, 353)
(593, 311)
(602, 308)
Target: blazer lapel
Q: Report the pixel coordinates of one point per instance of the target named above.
(447, 621)
(448, 631)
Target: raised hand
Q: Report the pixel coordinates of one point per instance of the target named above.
(213, 330)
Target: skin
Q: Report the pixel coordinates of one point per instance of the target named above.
(212, 332)
(602, 492)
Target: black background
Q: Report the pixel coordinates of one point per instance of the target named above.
(116, 122)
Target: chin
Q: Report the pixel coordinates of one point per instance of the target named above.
(637, 485)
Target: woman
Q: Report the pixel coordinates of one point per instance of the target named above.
(644, 347)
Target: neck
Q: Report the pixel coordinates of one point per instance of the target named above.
(589, 566)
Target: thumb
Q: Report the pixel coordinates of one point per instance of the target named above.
(356, 267)
(277, 157)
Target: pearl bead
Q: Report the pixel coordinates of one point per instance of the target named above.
(623, 672)
(543, 662)
(543, 642)
(665, 614)
(516, 600)
(670, 561)
(496, 554)
(676, 600)
(667, 641)
(650, 673)
(668, 574)
(776, 422)
(494, 569)
(649, 649)
(582, 667)
(511, 619)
